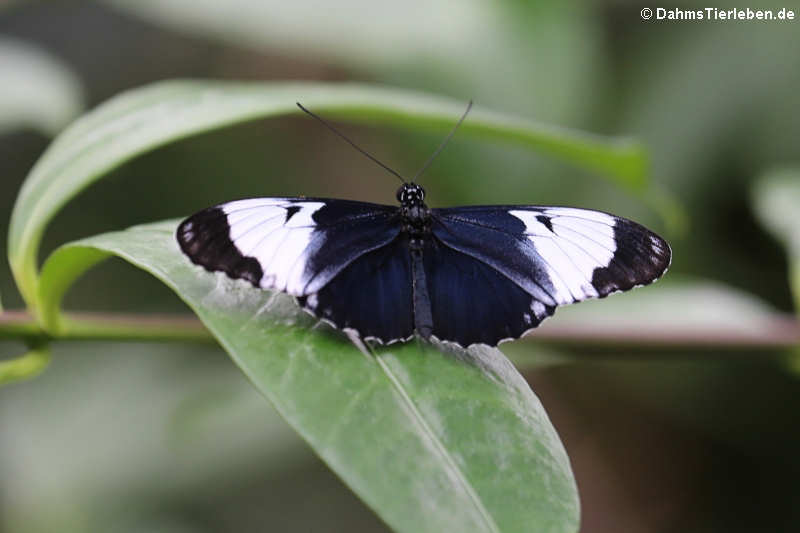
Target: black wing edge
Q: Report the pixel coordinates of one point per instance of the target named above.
(641, 258)
(205, 238)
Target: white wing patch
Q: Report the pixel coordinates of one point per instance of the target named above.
(572, 247)
(259, 228)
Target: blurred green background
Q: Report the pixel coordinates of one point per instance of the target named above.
(170, 438)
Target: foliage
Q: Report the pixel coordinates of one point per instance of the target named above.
(407, 427)
(36, 90)
(776, 201)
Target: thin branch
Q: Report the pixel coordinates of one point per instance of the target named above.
(780, 332)
(107, 326)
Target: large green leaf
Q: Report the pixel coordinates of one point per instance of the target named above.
(431, 440)
(441, 51)
(776, 201)
(143, 119)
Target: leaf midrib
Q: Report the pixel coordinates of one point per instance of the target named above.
(441, 449)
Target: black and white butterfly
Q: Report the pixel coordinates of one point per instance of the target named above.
(473, 274)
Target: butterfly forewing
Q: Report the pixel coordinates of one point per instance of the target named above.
(559, 255)
(296, 245)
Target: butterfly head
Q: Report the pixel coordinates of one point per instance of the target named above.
(411, 195)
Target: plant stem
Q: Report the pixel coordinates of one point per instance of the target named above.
(782, 332)
(107, 326)
(25, 367)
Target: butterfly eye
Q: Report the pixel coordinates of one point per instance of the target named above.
(399, 194)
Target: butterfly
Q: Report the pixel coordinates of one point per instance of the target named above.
(467, 275)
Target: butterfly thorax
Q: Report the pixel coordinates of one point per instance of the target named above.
(416, 215)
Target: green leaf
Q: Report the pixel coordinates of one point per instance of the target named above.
(26, 366)
(431, 441)
(146, 118)
(36, 89)
(288, 27)
(725, 309)
(776, 201)
(441, 51)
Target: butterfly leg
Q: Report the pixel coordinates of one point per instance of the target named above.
(423, 317)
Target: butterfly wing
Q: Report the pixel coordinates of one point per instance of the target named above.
(296, 245)
(473, 302)
(372, 295)
(555, 255)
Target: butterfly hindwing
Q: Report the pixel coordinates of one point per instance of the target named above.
(296, 245)
(372, 295)
(472, 302)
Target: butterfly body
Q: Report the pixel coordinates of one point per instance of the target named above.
(415, 214)
(474, 274)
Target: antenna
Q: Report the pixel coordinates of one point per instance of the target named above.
(444, 143)
(351, 143)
